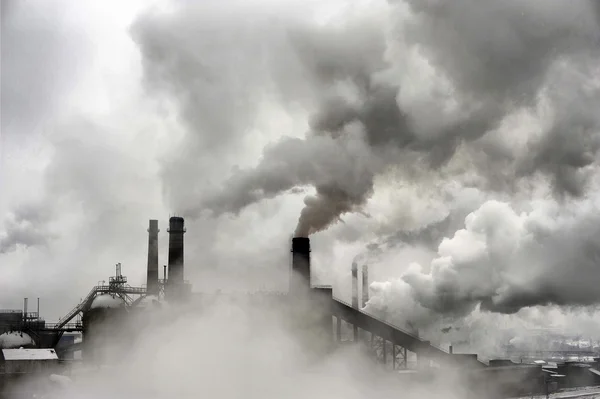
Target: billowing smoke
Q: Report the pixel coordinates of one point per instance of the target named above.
(416, 85)
(503, 260)
(26, 227)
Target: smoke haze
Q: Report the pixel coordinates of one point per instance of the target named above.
(452, 146)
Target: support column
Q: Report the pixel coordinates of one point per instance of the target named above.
(338, 329)
(400, 359)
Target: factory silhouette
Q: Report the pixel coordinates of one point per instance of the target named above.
(321, 322)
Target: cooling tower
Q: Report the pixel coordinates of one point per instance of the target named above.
(152, 271)
(176, 231)
(300, 276)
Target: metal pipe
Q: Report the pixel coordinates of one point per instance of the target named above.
(355, 297)
(365, 285)
(354, 286)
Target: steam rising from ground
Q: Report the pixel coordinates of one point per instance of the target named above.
(232, 351)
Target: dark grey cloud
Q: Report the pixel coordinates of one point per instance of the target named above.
(496, 59)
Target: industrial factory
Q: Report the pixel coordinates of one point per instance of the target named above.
(321, 322)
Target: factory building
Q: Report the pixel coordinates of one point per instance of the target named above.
(28, 361)
(312, 313)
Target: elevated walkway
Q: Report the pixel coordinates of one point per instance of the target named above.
(123, 291)
(398, 336)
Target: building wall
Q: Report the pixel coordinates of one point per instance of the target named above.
(28, 366)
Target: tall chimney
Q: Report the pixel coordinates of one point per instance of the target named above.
(152, 271)
(176, 231)
(365, 285)
(300, 277)
(354, 285)
(355, 297)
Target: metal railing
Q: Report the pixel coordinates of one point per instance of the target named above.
(68, 326)
(99, 289)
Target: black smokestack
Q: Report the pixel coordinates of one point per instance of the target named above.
(176, 231)
(300, 278)
(365, 285)
(152, 271)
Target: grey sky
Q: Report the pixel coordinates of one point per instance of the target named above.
(399, 119)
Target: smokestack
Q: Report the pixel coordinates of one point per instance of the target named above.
(300, 278)
(355, 297)
(176, 231)
(25, 308)
(365, 285)
(152, 271)
(354, 285)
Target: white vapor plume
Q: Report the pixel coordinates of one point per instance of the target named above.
(504, 261)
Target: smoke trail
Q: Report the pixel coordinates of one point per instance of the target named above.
(421, 80)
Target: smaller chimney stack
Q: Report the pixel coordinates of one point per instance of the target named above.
(354, 285)
(365, 285)
(300, 276)
(355, 298)
(152, 270)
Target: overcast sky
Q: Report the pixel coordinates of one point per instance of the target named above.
(453, 146)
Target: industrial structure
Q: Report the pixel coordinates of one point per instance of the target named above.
(321, 322)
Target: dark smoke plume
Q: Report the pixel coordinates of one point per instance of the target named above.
(405, 87)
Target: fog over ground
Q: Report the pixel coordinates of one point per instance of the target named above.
(453, 146)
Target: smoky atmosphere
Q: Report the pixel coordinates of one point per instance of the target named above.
(300, 198)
